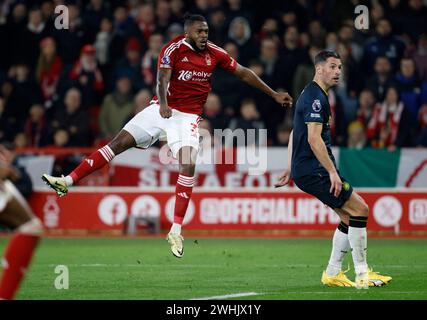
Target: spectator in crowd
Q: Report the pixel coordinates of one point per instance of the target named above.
(240, 33)
(174, 30)
(103, 45)
(49, 69)
(124, 25)
(73, 118)
(20, 140)
(27, 44)
(356, 135)
(14, 29)
(393, 11)
(349, 84)
(130, 65)
(317, 33)
(206, 135)
(149, 60)
(126, 38)
(92, 16)
(116, 108)
(338, 121)
(347, 36)
(250, 122)
(292, 55)
(70, 42)
(420, 57)
(145, 22)
(407, 78)
(7, 130)
(269, 30)
(213, 112)
(414, 18)
(283, 135)
(366, 104)
(86, 76)
(141, 101)
(227, 86)
(391, 125)
(24, 92)
(304, 72)
(274, 68)
(409, 85)
(421, 141)
(382, 79)
(36, 127)
(217, 26)
(383, 44)
(48, 13)
(164, 17)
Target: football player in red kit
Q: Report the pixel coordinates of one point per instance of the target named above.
(17, 215)
(185, 67)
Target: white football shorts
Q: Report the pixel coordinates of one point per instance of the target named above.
(6, 193)
(181, 129)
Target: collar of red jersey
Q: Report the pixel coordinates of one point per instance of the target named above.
(187, 44)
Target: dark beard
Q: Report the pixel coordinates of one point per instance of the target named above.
(193, 45)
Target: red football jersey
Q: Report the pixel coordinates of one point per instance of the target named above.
(190, 81)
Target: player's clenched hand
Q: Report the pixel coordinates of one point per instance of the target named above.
(284, 179)
(165, 111)
(336, 184)
(284, 99)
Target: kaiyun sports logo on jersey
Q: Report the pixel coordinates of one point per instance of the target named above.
(187, 75)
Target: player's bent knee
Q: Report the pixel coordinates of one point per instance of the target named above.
(32, 227)
(122, 142)
(365, 209)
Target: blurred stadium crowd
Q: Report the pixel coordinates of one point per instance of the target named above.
(78, 87)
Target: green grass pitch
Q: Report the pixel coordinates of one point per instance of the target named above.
(144, 268)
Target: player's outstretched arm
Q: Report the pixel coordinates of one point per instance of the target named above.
(252, 79)
(318, 146)
(286, 176)
(163, 78)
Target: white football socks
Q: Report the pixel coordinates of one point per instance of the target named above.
(176, 228)
(68, 181)
(357, 236)
(340, 246)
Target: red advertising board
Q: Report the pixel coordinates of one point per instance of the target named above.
(108, 209)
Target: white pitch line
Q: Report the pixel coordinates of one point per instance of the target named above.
(228, 296)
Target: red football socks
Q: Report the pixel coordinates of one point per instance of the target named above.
(15, 262)
(183, 191)
(95, 161)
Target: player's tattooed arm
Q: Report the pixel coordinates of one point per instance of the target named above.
(248, 76)
(163, 78)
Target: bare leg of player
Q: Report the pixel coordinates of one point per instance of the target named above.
(184, 187)
(19, 251)
(122, 142)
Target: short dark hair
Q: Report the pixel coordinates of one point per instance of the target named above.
(323, 55)
(189, 19)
